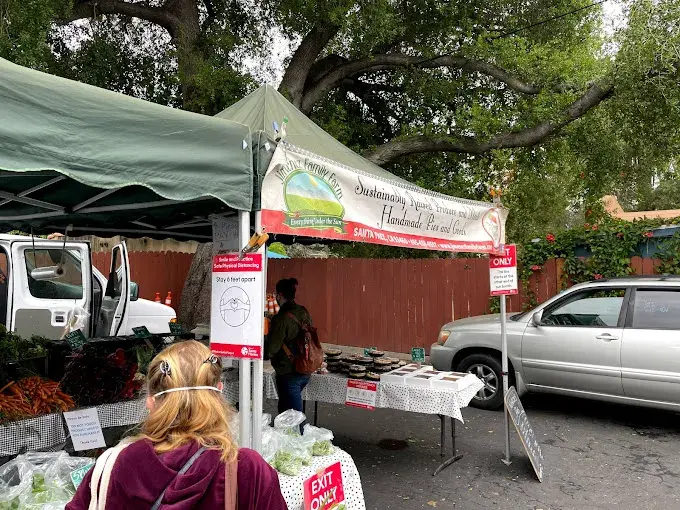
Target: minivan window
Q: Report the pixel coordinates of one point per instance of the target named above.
(656, 309)
(591, 308)
(68, 286)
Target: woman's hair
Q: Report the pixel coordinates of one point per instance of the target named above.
(181, 417)
(287, 288)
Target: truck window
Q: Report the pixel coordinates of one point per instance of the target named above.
(4, 285)
(67, 286)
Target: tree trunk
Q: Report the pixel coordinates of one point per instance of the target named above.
(195, 305)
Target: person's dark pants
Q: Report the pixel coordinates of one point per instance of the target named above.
(289, 388)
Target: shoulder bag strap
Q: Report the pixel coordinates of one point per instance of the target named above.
(284, 346)
(184, 469)
(101, 476)
(231, 485)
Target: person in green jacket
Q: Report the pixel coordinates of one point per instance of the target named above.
(284, 330)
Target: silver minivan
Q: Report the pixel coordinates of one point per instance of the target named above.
(616, 340)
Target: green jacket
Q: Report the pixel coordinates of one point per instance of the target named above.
(284, 330)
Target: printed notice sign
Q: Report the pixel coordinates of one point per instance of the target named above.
(361, 394)
(85, 429)
(237, 306)
(503, 272)
(324, 490)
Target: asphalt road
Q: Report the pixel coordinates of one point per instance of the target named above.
(596, 456)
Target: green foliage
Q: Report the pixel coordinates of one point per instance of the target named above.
(278, 247)
(610, 243)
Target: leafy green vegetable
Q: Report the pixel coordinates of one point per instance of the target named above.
(322, 448)
(286, 463)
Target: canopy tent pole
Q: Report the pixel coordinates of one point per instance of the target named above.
(258, 365)
(244, 365)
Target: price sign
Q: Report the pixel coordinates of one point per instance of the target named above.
(78, 475)
(324, 489)
(368, 350)
(418, 354)
(176, 328)
(141, 332)
(75, 339)
(526, 433)
(503, 272)
(363, 394)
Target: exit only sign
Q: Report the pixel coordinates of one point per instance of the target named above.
(503, 272)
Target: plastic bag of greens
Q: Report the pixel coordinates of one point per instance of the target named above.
(266, 420)
(301, 447)
(289, 422)
(322, 439)
(287, 463)
(271, 443)
(39, 480)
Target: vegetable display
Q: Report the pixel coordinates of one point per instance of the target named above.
(32, 396)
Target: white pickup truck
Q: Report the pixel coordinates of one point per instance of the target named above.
(40, 283)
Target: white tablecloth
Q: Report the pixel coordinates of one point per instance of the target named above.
(332, 388)
(291, 486)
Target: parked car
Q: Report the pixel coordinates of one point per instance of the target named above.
(614, 340)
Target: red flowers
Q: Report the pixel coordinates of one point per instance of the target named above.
(589, 212)
(647, 234)
(597, 276)
(595, 227)
(620, 235)
(535, 268)
(550, 238)
(586, 226)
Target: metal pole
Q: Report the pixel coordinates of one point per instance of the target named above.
(244, 389)
(258, 368)
(504, 367)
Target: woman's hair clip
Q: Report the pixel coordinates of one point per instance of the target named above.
(164, 368)
(212, 359)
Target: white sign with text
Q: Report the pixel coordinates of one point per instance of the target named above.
(85, 429)
(503, 272)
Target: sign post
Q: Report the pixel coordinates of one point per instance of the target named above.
(503, 281)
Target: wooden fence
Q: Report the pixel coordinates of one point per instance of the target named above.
(398, 304)
(153, 272)
(391, 304)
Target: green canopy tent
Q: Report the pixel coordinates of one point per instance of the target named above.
(105, 163)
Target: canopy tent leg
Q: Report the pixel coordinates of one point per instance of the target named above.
(258, 368)
(244, 390)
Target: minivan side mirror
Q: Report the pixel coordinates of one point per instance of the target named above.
(134, 291)
(537, 319)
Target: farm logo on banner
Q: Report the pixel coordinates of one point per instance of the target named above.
(312, 195)
(306, 195)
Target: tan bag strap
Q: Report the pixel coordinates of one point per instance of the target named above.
(288, 352)
(231, 486)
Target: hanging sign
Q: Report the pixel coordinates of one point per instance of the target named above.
(237, 306)
(503, 272)
(141, 332)
(225, 234)
(306, 195)
(75, 339)
(324, 489)
(363, 394)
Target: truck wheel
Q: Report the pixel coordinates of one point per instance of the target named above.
(488, 369)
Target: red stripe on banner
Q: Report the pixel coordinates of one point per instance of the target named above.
(236, 351)
(231, 263)
(274, 223)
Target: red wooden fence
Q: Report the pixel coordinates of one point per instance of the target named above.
(391, 304)
(153, 272)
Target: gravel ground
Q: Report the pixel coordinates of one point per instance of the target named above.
(596, 456)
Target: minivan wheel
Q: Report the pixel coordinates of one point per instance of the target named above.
(488, 369)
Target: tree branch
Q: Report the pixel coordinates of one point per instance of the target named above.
(527, 137)
(91, 8)
(330, 79)
(312, 45)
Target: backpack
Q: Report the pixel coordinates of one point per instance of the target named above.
(309, 356)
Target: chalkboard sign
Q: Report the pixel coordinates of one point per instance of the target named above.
(75, 339)
(176, 328)
(418, 355)
(141, 332)
(524, 430)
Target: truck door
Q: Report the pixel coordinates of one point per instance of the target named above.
(116, 301)
(47, 283)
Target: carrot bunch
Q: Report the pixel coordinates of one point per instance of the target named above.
(33, 396)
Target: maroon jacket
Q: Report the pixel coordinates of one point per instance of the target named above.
(140, 475)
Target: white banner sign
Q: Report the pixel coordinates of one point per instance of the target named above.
(305, 195)
(237, 306)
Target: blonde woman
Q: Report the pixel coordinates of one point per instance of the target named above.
(184, 457)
